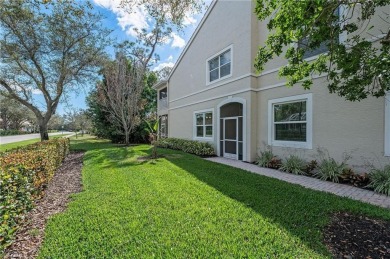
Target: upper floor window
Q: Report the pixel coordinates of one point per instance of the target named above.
(305, 42)
(163, 93)
(220, 66)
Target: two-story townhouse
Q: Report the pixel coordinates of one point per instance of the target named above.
(213, 94)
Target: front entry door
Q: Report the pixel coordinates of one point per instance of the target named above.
(230, 138)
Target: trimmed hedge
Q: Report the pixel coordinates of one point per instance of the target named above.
(24, 174)
(189, 146)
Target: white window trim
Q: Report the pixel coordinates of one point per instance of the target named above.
(194, 126)
(309, 122)
(387, 124)
(214, 56)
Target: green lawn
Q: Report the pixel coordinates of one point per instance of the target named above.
(4, 147)
(182, 206)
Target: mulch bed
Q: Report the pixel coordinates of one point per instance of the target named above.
(66, 181)
(350, 236)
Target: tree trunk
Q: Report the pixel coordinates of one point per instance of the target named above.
(43, 131)
(127, 137)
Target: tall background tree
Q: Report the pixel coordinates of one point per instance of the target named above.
(50, 48)
(13, 115)
(356, 68)
(77, 120)
(102, 122)
(122, 91)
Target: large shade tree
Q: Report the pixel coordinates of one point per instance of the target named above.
(356, 67)
(48, 48)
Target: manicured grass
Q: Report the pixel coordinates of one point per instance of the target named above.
(182, 206)
(4, 147)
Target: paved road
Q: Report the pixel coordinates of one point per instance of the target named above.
(17, 138)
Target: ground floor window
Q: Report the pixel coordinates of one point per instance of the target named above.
(290, 121)
(163, 126)
(203, 124)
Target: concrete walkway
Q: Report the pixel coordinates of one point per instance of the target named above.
(311, 183)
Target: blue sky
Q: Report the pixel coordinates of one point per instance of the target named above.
(122, 24)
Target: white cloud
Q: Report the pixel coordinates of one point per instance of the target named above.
(163, 65)
(128, 21)
(170, 58)
(177, 41)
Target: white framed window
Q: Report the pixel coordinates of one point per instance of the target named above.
(220, 66)
(290, 121)
(163, 126)
(342, 12)
(203, 124)
(387, 124)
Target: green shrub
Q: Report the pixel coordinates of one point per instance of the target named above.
(310, 167)
(189, 146)
(268, 159)
(380, 180)
(355, 179)
(293, 164)
(265, 158)
(329, 169)
(24, 173)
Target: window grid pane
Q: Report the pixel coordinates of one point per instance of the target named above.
(208, 118)
(214, 75)
(290, 132)
(294, 111)
(199, 119)
(214, 63)
(225, 70)
(199, 131)
(225, 58)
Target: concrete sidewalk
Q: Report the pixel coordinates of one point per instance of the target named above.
(311, 183)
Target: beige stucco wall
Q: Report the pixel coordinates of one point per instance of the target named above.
(339, 126)
(181, 121)
(229, 25)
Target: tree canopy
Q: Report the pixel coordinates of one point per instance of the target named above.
(356, 34)
(48, 48)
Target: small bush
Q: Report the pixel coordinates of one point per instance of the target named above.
(293, 164)
(330, 170)
(380, 180)
(265, 158)
(310, 167)
(268, 159)
(24, 173)
(357, 180)
(198, 148)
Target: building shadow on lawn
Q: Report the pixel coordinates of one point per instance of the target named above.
(120, 156)
(302, 212)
